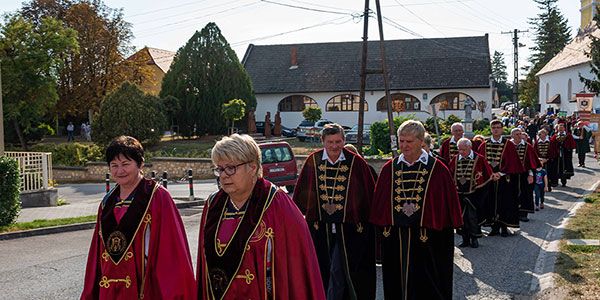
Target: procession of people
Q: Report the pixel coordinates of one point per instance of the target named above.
(322, 242)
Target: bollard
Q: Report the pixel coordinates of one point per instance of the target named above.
(191, 184)
(164, 179)
(153, 175)
(107, 180)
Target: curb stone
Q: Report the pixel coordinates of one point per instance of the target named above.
(82, 226)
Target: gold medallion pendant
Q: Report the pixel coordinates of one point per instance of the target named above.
(117, 243)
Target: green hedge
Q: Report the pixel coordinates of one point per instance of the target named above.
(380, 135)
(71, 154)
(9, 190)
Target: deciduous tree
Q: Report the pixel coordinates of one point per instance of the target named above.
(31, 56)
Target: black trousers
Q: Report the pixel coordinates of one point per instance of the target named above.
(581, 157)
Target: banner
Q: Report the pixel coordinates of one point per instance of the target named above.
(584, 101)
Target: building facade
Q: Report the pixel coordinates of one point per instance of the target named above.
(287, 78)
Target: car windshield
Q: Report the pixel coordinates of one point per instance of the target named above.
(276, 154)
(306, 123)
(365, 127)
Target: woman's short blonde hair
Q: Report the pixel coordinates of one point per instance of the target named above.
(238, 148)
(412, 127)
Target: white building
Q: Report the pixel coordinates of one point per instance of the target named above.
(559, 78)
(287, 78)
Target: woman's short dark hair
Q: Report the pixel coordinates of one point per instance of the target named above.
(127, 146)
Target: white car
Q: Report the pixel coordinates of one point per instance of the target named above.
(308, 130)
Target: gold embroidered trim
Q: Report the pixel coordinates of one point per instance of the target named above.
(423, 235)
(339, 188)
(342, 168)
(340, 178)
(128, 255)
(269, 233)
(105, 282)
(247, 276)
(386, 231)
(105, 255)
(359, 228)
(148, 219)
(337, 198)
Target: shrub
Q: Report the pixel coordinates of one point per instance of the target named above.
(380, 135)
(479, 125)
(9, 190)
(451, 119)
(128, 111)
(71, 154)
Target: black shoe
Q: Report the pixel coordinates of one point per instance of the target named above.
(504, 232)
(564, 184)
(465, 242)
(474, 243)
(495, 231)
(524, 219)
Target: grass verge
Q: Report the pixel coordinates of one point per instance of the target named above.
(578, 267)
(46, 223)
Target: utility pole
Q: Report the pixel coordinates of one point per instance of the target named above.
(516, 46)
(363, 74)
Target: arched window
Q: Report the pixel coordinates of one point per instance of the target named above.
(451, 100)
(570, 90)
(344, 102)
(400, 102)
(296, 103)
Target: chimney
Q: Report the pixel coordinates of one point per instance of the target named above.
(293, 58)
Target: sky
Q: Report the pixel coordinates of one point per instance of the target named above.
(169, 24)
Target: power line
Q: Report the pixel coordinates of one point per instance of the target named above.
(154, 20)
(306, 8)
(419, 17)
(163, 9)
(199, 17)
(328, 22)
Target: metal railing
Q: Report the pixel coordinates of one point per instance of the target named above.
(35, 168)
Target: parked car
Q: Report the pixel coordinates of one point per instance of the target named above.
(279, 164)
(352, 134)
(308, 130)
(285, 131)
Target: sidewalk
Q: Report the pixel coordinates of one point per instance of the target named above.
(83, 200)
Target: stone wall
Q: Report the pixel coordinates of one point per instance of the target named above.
(175, 167)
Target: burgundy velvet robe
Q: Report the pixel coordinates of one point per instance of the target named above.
(418, 258)
(530, 163)
(562, 166)
(354, 232)
(504, 202)
(240, 272)
(167, 273)
(477, 192)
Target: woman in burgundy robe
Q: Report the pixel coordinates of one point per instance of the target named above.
(254, 242)
(139, 248)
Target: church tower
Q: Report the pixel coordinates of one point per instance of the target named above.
(589, 8)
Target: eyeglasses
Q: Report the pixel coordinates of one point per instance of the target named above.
(229, 170)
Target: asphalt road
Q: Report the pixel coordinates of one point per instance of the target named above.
(52, 266)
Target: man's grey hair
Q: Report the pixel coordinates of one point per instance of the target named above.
(464, 141)
(412, 127)
(515, 130)
(457, 124)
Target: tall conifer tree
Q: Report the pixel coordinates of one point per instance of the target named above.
(552, 34)
(593, 84)
(205, 74)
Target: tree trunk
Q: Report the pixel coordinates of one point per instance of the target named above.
(20, 135)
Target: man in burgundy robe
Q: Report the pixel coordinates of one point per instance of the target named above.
(260, 251)
(449, 148)
(139, 249)
(416, 206)
(334, 192)
(471, 173)
(561, 167)
(501, 154)
(530, 163)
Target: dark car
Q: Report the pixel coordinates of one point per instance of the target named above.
(279, 164)
(352, 134)
(285, 131)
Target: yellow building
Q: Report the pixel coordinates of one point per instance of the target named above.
(155, 64)
(589, 8)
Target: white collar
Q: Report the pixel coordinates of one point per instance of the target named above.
(522, 142)
(470, 156)
(423, 158)
(495, 141)
(547, 139)
(452, 140)
(340, 158)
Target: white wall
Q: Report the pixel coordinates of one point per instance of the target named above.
(269, 103)
(557, 82)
